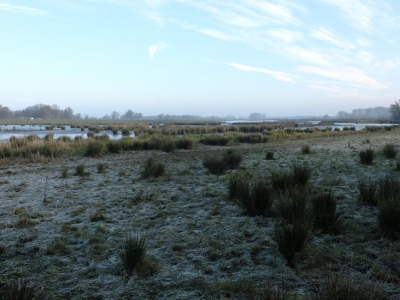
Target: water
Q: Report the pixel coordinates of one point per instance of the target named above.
(7, 131)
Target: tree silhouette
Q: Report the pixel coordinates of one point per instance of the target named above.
(395, 110)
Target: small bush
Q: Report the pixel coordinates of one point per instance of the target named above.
(325, 216)
(368, 192)
(291, 239)
(269, 155)
(366, 156)
(305, 149)
(152, 168)
(133, 251)
(389, 151)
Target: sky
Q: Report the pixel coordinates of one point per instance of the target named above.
(209, 58)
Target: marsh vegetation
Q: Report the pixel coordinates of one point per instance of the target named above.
(202, 214)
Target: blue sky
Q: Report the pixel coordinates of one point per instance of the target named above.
(211, 57)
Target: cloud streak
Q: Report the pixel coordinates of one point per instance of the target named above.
(349, 75)
(282, 76)
(157, 48)
(22, 9)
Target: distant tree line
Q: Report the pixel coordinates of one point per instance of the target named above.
(38, 111)
(372, 112)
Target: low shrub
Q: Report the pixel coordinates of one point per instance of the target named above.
(326, 219)
(133, 252)
(366, 156)
(152, 168)
(389, 151)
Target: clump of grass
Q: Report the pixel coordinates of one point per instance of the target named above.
(291, 239)
(218, 166)
(325, 216)
(389, 151)
(368, 192)
(58, 247)
(97, 216)
(133, 251)
(101, 168)
(125, 131)
(21, 290)
(152, 168)
(298, 176)
(388, 188)
(64, 173)
(80, 171)
(306, 149)
(292, 206)
(168, 146)
(389, 217)
(254, 197)
(94, 149)
(344, 287)
(184, 143)
(397, 166)
(114, 147)
(366, 156)
(269, 155)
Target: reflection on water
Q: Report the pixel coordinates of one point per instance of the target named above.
(7, 131)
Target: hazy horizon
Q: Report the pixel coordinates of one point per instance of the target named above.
(209, 58)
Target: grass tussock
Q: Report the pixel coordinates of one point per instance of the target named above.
(269, 155)
(344, 287)
(218, 166)
(298, 176)
(80, 171)
(368, 192)
(366, 156)
(306, 149)
(255, 197)
(326, 219)
(153, 168)
(133, 251)
(389, 151)
(21, 290)
(291, 240)
(389, 216)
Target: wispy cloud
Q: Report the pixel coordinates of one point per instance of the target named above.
(157, 48)
(285, 35)
(357, 13)
(22, 9)
(328, 36)
(275, 74)
(350, 75)
(393, 19)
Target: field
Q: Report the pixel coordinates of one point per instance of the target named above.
(66, 219)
